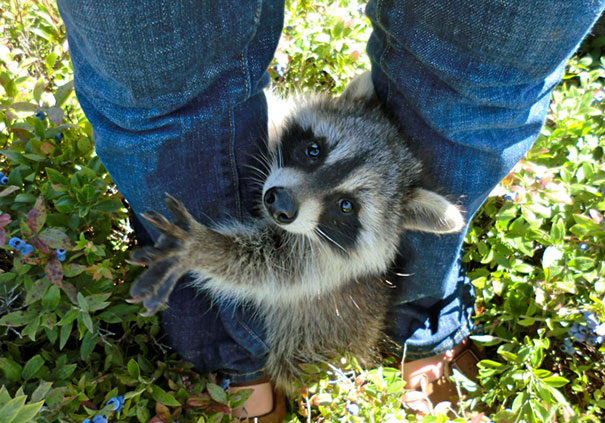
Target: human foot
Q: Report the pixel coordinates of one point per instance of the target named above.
(264, 404)
(428, 381)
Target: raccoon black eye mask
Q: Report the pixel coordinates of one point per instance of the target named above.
(340, 190)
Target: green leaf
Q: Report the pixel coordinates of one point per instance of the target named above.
(32, 366)
(62, 93)
(556, 381)
(242, 395)
(557, 231)
(82, 302)
(73, 269)
(65, 372)
(36, 217)
(37, 290)
(88, 345)
(56, 177)
(40, 393)
(86, 319)
(110, 205)
(133, 369)
(14, 157)
(64, 334)
(51, 298)
(17, 318)
(163, 397)
(217, 393)
(54, 271)
(488, 340)
(55, 115)
(12, 369)
(10, 410)
(56, 238)
(143, 414)
(28, 412)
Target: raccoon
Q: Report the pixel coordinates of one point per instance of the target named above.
(339, 190)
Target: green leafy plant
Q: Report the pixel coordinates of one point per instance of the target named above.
(73, 346)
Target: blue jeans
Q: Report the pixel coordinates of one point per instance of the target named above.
(173, 91)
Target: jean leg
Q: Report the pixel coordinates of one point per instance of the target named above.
(173, 91)
(469, 82)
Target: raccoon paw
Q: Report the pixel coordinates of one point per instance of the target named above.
(154, 286)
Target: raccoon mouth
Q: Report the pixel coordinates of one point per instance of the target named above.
(281, 205)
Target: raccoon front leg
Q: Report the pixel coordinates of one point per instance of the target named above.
(183, 245)
(235, 257)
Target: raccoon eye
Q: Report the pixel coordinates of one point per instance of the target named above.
(345, 206)
(312, 151)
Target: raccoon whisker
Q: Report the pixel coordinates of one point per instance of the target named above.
(264, 160)
(256, 181)
(323, 234)
(311, 248)
(258, 170)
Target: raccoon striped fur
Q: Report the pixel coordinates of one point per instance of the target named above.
(339, 190)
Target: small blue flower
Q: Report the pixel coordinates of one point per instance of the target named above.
(27, 249)
(16, 242)
(3, 180)
(118, 403)
(567, 347)
(353, 409)
(1, 174)
(41, 115)
(58, 137)
(583, 247)
(86, 421)
(60, 254)
(578, 332)
(591, 320)
(99, 419)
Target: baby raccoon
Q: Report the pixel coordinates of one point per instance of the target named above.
(340, 189)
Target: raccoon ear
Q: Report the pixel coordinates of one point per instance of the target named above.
(427, 211)
(360, 88)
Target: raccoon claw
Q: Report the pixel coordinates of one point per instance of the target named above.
(155, 285)
(163, 225)
(182, 218)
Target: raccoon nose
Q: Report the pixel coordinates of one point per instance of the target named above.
(281, 204)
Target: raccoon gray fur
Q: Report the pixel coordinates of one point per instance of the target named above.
(339, 190)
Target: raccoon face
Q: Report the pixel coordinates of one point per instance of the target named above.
(341, 175)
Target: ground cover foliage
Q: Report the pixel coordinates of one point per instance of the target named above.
(72, 349)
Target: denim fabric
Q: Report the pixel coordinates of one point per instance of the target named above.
(470, 82)
(173, 91)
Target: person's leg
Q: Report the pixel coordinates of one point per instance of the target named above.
(469, 82)
(173, 91)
